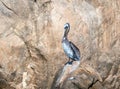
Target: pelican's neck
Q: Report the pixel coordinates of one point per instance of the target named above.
(65, 34)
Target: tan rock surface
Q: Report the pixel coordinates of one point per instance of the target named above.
(31, 51)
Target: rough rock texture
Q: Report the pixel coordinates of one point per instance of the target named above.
(30, 38)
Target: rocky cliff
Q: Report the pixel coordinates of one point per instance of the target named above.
(30, 43)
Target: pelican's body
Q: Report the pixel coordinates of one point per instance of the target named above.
(69, 48)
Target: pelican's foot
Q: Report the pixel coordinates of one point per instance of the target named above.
(69, 62)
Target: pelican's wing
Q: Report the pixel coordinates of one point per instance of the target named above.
(76, 50)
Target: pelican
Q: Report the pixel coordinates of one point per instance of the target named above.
(69, 48)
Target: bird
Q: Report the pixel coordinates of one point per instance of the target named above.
(69, 48)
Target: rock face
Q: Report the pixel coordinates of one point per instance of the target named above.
(30, 38)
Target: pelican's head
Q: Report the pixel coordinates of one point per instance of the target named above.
(67, 26)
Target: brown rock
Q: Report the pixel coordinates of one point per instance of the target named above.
(30, 38)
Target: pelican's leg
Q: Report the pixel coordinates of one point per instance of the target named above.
(71, 61)
(68, 61)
